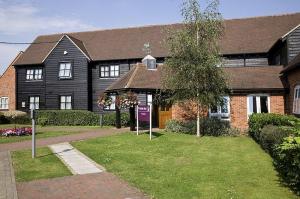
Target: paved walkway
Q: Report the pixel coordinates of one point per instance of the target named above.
(77, 162)
(7, 177)
(67, 138)
(90, 186)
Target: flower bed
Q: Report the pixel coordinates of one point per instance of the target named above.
(15, 132)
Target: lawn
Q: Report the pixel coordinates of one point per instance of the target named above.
(45, 132)
(182, 166)
(45, 165)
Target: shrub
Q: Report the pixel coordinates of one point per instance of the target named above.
(287, 162)
(258, 121)
(271, 136)
(3, 119)
(14, 117)
(208, 126)
(77, 118)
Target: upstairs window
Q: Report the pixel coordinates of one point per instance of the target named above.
(65, 71)
(258, 104)
(112, 71)
(34, 74)
(4, 103)
(65, 102)
(221, 111)
(296, 103)
(34, 102)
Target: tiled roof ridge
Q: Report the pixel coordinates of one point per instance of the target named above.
(132, 76)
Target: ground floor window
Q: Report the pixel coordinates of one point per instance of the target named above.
(65, 102)
(221, 111)
(34, 102)
(4, 103)
(258, 104)
(113, 103)
(296, 103)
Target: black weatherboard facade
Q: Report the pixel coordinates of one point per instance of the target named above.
(51, 87)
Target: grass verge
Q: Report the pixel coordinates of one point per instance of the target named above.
(182, 166)
(45, 165)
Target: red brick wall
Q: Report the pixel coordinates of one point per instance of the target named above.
(8, 85)
(238, 110)
(294, 80)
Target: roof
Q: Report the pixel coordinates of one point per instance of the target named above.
(139, 77)
(248, 35)
(295, 63)
(254, 78)
(240, 78)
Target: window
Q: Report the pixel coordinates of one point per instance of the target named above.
(113, 104)
(65, 102)
(149, 99)
(34, 103)
(109, 71)
(34, 74)
(221, 111)
(258, 104)
(296, 103)
(65, 71)
(3, 102)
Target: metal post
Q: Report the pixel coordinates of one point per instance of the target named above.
(137, 119)
(150, 121)
(33, 133)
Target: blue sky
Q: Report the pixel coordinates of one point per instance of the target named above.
(23, 20)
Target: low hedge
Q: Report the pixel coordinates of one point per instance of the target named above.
(208, 126)
(279, 135)
(258, 121)
(77, 118)
(14, 117)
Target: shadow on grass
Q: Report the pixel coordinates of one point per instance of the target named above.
(49, 154)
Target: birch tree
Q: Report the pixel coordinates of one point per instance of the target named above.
(192, 71)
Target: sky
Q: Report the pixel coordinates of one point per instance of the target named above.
(24, 20)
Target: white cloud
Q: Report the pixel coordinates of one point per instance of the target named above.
(23, 18)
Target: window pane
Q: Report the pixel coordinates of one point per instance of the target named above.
(69, 99)
(37, 99)
(68, 66)
(31, 100)
(149, 99)
(264, 104)
(112, 73)
(62, 106)
(117, 73)
(62, 99)
(106, 74)
(68, 106)
(254, 105)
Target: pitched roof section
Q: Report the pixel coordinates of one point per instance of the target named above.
(240, 78)
(249, 35)
(139, 77)
(295, 63)
(254, 78)
(12, 63)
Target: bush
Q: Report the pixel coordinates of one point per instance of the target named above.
(14, 117)
(208, 126)
(3, 119)
(287, 162)
(271, 136)
(78, 118)
(258, 121)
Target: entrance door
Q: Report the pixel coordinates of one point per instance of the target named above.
(165, 114)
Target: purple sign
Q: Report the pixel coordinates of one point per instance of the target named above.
(144, 113)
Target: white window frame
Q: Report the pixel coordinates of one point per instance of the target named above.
(112, 107)
(34, 102)
(65, 70)
(109, 71)
(149, 99)
(219, 114)
(4, 103)
(258, 108)
(65, 102)
(296, 101)
(34, 74)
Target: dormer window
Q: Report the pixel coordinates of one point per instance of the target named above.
(149, 62)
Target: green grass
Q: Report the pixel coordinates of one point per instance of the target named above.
(45, 165)
(183, 166)
(46, 132)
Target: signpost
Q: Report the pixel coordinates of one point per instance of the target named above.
(32, 114)
(144, 114)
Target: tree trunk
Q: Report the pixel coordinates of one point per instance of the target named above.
(198, 120)
(132, 118)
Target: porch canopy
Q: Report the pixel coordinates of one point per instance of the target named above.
(139, 80)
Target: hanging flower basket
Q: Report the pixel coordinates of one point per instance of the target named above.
(128, 100)
(104, 100)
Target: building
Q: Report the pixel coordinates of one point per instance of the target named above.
(8, 87)
(69, 71)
